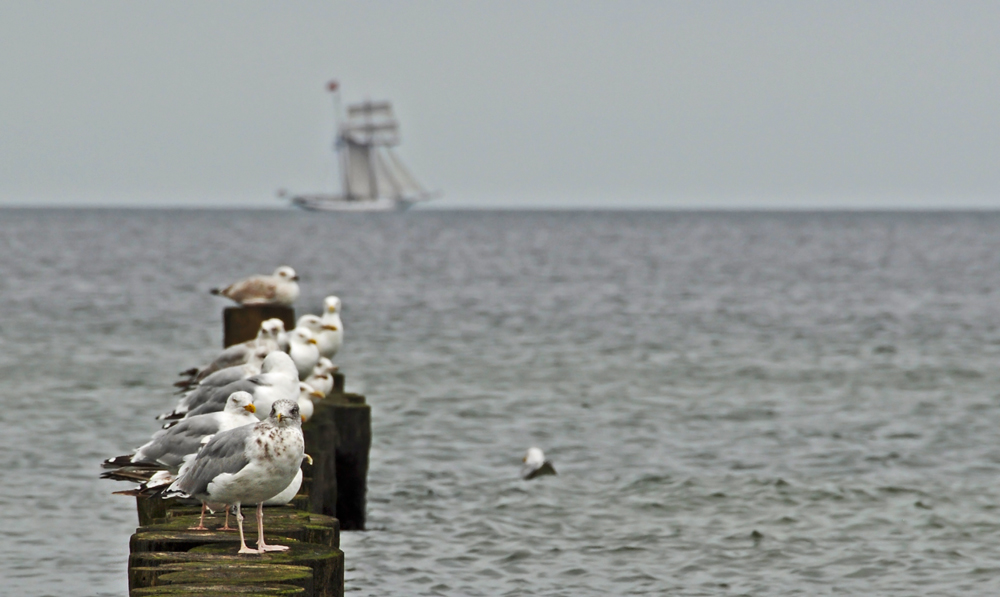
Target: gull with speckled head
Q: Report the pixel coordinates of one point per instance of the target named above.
(280, 288)
(246, 465)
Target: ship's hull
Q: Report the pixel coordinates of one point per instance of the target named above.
(338, 203)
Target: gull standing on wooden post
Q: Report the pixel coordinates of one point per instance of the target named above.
(280, 288)
(330, 343)
(247, 465)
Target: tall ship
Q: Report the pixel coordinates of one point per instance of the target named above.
(372, 176)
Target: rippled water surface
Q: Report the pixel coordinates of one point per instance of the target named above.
(760, 404)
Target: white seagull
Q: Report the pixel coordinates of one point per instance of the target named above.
(246, 465)
(331, 343)
(278, 379)
(535, 465)
(302, 349)
(322, 376)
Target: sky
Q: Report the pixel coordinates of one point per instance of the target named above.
(514, 104)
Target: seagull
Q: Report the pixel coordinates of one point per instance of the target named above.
(278, 379)
(302, 349)
(226, 376)
(535, 465)
(169, 447)
(280, 288)
(237, 354)
(246, 465)
(328, 335)
(305, 401)
(331, 317)
(322, 379)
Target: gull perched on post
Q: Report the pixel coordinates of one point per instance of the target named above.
(280, 288)
(246, 465)
(331, 343)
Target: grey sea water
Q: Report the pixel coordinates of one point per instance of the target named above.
(737, 404)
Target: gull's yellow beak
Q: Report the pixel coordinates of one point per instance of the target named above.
(525, 459)
(250, 408)
(317, 394)
(308, 457)
(330, 327)
(279, 417)
(312, 340)
(303, 418)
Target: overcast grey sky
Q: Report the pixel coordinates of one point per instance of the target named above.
(591, 104)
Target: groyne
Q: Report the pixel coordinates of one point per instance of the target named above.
(167, 558)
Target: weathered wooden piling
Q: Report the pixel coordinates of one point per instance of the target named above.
(242, 323)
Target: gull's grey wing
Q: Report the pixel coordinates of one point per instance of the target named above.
(170, 446)
(237, 354)
(224, 453)
(224, 376)
(216, 398)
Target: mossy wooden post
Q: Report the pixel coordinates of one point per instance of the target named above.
(242, 323)
(353, 420)
(320, 478)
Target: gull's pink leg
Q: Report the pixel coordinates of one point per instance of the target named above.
(201, 521)
(261, 546)
(243, 543)
(227, 527)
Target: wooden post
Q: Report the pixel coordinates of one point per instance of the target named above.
(353, 420)
(242, 323)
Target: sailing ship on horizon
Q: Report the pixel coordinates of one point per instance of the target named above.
(373, 178)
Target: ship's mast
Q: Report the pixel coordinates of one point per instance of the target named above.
(338, 143)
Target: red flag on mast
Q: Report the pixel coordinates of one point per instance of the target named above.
(332, 86)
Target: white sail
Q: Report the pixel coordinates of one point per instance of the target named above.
(358, 169)
(407, 183)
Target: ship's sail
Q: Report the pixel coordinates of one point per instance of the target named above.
(371, 168)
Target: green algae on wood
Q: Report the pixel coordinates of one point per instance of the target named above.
(217, 590)
(224, 573)
(326, 563)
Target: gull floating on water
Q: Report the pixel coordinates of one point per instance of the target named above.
(280, 288)
(535, 465)
(246, 465)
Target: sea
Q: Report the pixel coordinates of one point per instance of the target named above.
(756, 403)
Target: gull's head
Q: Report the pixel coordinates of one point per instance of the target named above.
(323, 367)
(301, 336)
(331, 304)
(272, 327)
(286, 273)
(258, 355)
(534, 457)
(279, 361)
(311, 323)
(308, 392)
(285, 413)
(240, 402)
